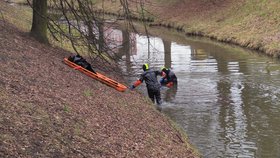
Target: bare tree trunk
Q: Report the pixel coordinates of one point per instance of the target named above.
(167, 53)
(39, 22)
(101, 42)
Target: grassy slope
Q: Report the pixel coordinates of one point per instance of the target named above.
(254, 23)
(250, 23)
(20, 16)
(50, 110)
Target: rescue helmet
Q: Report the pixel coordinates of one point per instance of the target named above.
(164, 71)
(163, 68)
(145, 67)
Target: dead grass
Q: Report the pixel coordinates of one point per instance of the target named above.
(11, 13)
(50, 110)
(247, 23)
(251, 24)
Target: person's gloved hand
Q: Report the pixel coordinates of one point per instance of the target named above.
(161, 80)
(169, 85)
(131, 87)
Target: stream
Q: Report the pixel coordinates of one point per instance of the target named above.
(227, 100)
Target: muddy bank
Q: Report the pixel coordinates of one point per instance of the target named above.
(50, 110)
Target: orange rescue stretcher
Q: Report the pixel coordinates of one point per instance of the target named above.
(97, 76)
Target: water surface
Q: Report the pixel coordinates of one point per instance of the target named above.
(227, 98)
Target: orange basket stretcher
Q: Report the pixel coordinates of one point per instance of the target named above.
(98, 76)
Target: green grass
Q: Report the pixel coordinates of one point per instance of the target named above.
(255, 22)
(20, 16)
(66, 108)
(88, 93)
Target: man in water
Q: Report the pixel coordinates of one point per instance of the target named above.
(169, 78)
(152, 84)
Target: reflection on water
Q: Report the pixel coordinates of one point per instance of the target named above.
(227, 99)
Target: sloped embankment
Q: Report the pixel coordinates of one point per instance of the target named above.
(253, 23)
(50, 110)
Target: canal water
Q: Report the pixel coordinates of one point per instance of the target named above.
(227, 99)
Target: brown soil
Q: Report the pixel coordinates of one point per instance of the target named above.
(50, 110)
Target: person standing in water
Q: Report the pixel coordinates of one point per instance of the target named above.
(169, 78)
(152, 84)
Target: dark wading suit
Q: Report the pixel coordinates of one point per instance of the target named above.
(152, 84)
(170, 79)
(79, 60)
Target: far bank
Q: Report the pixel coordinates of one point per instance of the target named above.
(250, 24)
